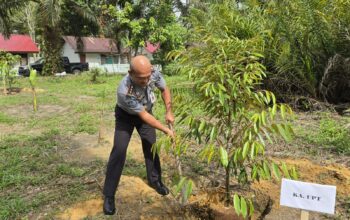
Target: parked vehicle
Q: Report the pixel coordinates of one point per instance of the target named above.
(69, 67)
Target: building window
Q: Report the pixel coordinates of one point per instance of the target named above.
(109, 59)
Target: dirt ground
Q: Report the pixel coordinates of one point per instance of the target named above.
(136, 200)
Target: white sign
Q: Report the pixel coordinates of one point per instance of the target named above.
(308, 196)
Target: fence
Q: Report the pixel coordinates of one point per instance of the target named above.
(111, 68)
(117, 68)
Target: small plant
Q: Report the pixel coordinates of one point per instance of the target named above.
(177, 147)
(32, 81)
(103, 99)
(95, 73)
(7, 60)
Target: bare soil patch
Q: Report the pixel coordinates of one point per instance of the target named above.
(85, 147)
(26, 111)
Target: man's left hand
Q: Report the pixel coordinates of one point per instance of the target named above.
(169, 118)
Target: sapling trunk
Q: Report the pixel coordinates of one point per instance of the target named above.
(227, 183)
(101, 127)
(35, 108)
(177, 159)
(4, 84)
(32, 81)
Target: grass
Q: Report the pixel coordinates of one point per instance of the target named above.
(30, 171)
(330, 134)
(6, 119)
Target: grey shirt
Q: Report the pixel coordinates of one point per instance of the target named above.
(135, 99)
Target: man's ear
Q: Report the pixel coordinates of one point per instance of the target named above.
(130, 72)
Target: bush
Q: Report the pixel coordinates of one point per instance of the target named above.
(171, 69)
(94, 73)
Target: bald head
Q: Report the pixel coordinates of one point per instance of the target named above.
(140, 65)
(140, 70)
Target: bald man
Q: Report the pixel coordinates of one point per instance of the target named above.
(135, 99)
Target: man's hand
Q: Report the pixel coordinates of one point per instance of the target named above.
(169, 118)
(170, 133)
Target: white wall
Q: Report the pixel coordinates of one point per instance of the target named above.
(93, 58)
(69, 52)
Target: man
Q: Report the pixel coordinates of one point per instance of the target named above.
(134, 110)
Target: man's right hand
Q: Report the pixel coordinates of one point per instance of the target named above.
(170, 133)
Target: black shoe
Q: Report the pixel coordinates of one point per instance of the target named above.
(109, 205)
(160, 188)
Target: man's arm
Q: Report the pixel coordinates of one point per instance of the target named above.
(169, 117)
(152, 121)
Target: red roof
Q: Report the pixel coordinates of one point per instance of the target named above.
(18, 44)
(93, 44)
(152, 47)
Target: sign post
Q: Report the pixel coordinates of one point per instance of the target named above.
(304, 215)
(308, 197)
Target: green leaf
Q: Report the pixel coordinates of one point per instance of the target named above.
(223, 156)
(180, 185)
(32, 77)
(273, 99)
(285, 170)
(211, 153)
(285, 134)
(266, 170)
(254, 172)
(251, 208)
(237, 204)
(213, 133)
(201, 126)
(276, 171)
(245, 150)
(188, 191)
(283, 111)
(261, 173)
(294, 173)
(252, 151)
(263, 117)
(244, 207)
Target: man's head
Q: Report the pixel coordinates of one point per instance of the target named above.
(140, 70)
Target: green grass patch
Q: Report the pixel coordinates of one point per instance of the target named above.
(6, 119)
(87, 123)
(331, 135)
(30, 170)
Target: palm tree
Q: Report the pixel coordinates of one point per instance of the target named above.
(7, 8)
(52, 24)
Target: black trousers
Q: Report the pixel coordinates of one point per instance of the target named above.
(125, 124)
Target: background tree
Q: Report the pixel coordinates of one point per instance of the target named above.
(54, 17)
(7, 10)
(136, 22)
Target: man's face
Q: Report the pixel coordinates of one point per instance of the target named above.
(140, 78)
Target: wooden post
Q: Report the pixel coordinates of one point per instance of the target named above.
(304, 215)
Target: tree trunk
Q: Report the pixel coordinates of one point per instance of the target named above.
(52, 47)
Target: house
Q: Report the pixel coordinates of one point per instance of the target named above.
(98, 52)
(21, 45)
